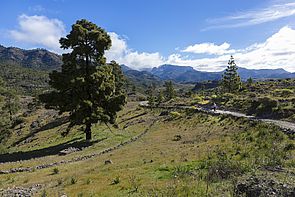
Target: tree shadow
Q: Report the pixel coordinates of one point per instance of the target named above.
(56, 123)
(53, 150)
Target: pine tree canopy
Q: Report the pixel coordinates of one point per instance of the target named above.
(169, 90)
(231, 80)
(87, 87)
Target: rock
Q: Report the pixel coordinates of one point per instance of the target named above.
(164, 113)
(176, 138)
(68, 151)
(35, 124)
(106, 162)
(20, 191)
(263, 186)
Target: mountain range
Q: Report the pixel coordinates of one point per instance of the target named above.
(42, 59)
(185, 74)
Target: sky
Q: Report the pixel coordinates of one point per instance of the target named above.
(148, 33)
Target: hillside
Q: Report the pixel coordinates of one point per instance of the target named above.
(35, 58)
(148, 154)
(182, 73)
(26, 81)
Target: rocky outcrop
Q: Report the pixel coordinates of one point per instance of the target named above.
(20, 191)
(263, 186)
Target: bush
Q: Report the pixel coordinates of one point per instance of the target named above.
(17, 121)
(134, 184)
(263, 106)
(116, 181)
(55, 171)
(223, 168)
(283, 92)
(44, 193)
(196, 100)
(174, 115)
(73, 180)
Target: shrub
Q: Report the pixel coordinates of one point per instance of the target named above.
(174, 115)
(263, 106)
(196, 99)
(223, 167)
(73, 180)
(59, 181)
(88, 181)
(283, 92)
(181, 171)
(134, 184)
(289, 146)
(17, 121)
(55, 171)
(116, 180)
(44, 193)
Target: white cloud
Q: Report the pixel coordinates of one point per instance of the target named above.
(278, 51)
(253, 17)
(123, 55)
(40, 31)
(209, 48)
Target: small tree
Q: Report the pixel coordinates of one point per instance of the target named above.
(160, 97)
(249, 82)
(151, 95)
(11, 105)
(87, 87)
(169, 90)
(231, 81)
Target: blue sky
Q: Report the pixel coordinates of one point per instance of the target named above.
(202, 34)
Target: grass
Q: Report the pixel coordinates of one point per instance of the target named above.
(157, 164)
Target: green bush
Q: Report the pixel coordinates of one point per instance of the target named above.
(174, 115)
(263, 106)
(73, 180)
(283, 92)
(55, 171)
(116, 181)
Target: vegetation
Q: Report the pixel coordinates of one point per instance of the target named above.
(169, 90)
(9, 106)
(176, 149)
(26, 81)
(191, 154)
(231, 81)
(87, 87)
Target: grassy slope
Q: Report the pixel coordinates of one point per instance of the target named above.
(150, 163)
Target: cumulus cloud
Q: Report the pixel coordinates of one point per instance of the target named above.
(278, 51)
(39, 31)
(270, 13)
(209, 48)
(124, 55)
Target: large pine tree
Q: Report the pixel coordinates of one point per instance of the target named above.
(231, 81)
(87, 87)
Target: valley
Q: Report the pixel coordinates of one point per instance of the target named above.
(90, 116)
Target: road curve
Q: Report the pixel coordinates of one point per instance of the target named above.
(283, 124)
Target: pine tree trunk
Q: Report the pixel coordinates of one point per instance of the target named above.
(88, 131)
